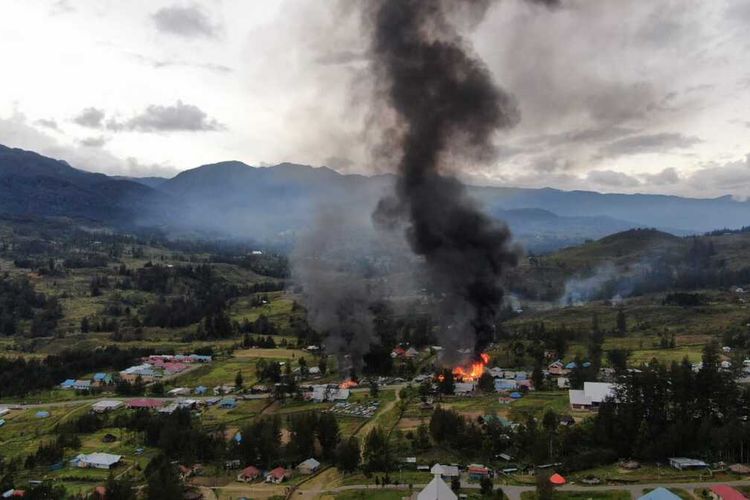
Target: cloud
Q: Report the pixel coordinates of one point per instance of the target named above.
(610, 178)
(172, 63)
(17, 132)
(170, 118)
(62, 7)
(47, 123)
(666, 177)
(94, 142)
(731, 177)
(90, 117)
(648, 143)
(186, 21)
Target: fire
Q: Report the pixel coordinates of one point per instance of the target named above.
(471, 372)
(348, 384)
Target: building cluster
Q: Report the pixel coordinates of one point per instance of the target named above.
(158, 366)
(326, 392)
(151, 369)
(279, 474)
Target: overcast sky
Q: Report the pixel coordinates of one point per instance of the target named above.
(616, 96)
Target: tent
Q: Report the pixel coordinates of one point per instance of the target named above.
(557, 479)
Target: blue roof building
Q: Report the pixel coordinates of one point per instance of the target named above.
(659, 494)
(228, 403)
(68, 384)
(42, 414)
(571, 366)
(201, 389)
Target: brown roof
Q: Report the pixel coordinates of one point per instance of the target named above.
(278, 472)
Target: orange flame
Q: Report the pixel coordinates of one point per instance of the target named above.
(471, 372)
(348, 384)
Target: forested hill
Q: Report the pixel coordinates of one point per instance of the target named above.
(275, 203)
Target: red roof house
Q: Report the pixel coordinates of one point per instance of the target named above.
(277, 475)
(724, 492)
(145, 403)
(248, 474)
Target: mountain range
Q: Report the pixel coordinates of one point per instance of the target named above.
(275, 203)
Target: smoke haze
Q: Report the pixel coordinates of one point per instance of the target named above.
(447, 110)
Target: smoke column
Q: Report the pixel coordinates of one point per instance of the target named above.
(447, 109)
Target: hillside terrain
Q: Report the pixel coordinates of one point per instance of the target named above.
(274, 204)
(76, 301)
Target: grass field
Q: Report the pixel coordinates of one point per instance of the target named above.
(582, 495)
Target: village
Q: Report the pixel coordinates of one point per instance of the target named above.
(496, 390)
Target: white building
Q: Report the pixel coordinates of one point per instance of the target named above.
(592, 395)
(98, 460)
(436, 489)
(106, 405)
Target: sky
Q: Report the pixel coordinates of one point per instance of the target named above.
(631, 96)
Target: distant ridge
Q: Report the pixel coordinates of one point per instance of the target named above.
(233, 198)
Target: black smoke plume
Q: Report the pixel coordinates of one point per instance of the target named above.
(447, 111)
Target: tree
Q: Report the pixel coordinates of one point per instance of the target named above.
(238, 380)
(373, 389)
(486, 383)
(120, 489)
(622, 324)
(485, 486)
(328, 434)
(544, 489)
(446, 382)
(162, 480)
(376, 453)
(618, 358)
(537, 377)
(348, 455)
(455, 485)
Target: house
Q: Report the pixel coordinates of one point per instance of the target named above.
(445, 470)
(228, 403)
(4, 411)
(14, 493)
(223, 389)
(147, 404)
(201, 390)
(557, 368)
(105, 406)
(724, 492)
(313, 371)
(463, 388)
(172, 368)
(659, 494)
(277, 475)
(398, 352)
(169, 409)
(179, 391)
(436, 489)
(102, 378)
(411, 353)
(682, 463)
(68, 383)
(248, 474)
(309, 466)
(477, 471)
(97, 460)
(504, 384)
(145, 371)
(563, 383)
(592, 395)
(82, 385)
